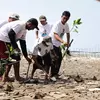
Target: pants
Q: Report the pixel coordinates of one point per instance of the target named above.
(45, 62)
(55, 67)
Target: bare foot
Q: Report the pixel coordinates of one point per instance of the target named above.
(2, 84)
(7, 79)
(46, 81)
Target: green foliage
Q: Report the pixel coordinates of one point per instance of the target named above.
(62, 47)
(2, 66)
(76, 23)
(11, 50)
(74, 28)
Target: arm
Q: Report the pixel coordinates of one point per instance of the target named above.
(36, 34)
(23, 47)
(12, 37)
(24, 50)
(34, 57)
(2, 23)
(60, 39)
(57, 37)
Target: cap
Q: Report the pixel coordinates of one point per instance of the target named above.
(42, 18)
(14, 15)
(34, 22)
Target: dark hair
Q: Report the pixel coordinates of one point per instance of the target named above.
(34, 22)
(66, 13)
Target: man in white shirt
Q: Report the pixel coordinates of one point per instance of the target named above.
(10, 33)
(41, 54)
(44, 27)
(58, 30)
(12, 17)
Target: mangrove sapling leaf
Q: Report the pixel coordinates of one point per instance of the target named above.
(74, 28)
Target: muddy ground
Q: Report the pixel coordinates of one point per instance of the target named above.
(79, 80)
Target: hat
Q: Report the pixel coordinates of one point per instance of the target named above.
(34, 22)
(46, 39)
(14, 15)
(42, 18)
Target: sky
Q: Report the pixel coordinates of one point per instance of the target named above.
(88, 37)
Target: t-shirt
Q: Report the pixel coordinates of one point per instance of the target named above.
(59, 29)
(3, 22)
(41, 49)
(44, 30)
(17, 26)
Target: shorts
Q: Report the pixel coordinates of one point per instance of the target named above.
(3, 48)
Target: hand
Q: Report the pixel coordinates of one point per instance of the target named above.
(68, 45)
(65, 43)
(17, 50)
(29, 60)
